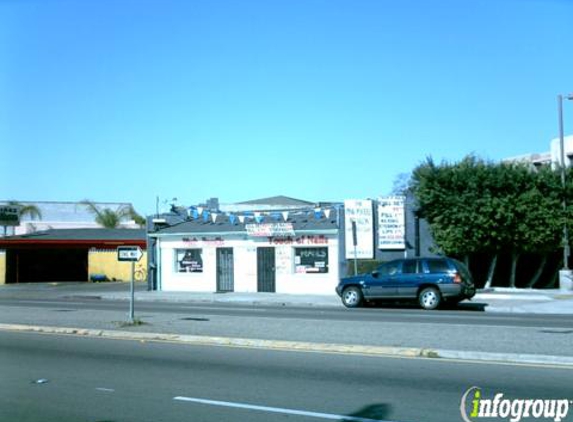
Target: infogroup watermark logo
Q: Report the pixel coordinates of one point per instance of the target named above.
(474, 407)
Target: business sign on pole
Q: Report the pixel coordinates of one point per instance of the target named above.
(9, 215)
(391, 223)
(130, 254)
(360, 212)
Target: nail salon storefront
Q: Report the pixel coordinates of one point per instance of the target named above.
(299, 255)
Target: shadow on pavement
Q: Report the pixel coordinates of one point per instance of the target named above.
(471, 306)
(464, 306)
(374, 411)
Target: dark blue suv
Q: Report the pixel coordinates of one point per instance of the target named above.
(430, 281)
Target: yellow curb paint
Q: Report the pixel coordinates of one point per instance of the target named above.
(281, 345)
(226, 341)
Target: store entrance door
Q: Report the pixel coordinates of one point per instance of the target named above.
(225, 270)
(266, 270)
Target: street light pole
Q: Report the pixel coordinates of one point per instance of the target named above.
(562, 150)
(562, 159)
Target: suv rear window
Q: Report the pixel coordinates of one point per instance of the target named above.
(438, 266)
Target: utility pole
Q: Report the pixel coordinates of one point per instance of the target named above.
(563, 184)
(565, 276)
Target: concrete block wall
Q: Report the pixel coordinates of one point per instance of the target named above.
(2, 267)
(105, 262)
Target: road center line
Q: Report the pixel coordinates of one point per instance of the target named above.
(277, 410)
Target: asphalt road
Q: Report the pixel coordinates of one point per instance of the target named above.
(450, 330)
(464, 315)
(59, 378)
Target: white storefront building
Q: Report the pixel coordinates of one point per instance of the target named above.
(285, 253)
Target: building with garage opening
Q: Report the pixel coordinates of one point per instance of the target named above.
(69, 255)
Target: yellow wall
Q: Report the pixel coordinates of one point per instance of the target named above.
(2, 267)
(105, 262)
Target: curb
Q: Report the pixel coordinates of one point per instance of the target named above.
(251, 301)
(527, 306)
(283, 345)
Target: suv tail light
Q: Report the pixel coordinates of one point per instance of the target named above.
(457, 277)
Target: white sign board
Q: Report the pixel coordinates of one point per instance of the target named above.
(359, 211)
(129, 253)
(270, 230)
(391, 223)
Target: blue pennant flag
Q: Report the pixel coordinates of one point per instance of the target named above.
(205, 216)
(232, 219)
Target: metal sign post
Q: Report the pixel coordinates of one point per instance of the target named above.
(130, 254)
(132, 294)
(355, 243)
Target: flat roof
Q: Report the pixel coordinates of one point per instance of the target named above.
(96, 237)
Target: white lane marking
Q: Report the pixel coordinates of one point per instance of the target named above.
(278, 410)
(107, 390)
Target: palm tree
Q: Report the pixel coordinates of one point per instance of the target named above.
(24, 210)
(111, 219)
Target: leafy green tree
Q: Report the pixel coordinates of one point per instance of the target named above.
(476, 206)
(449, 198)
(112, 219)
(518, 193)
(544, 218)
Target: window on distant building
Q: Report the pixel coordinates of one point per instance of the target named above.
(311, 260)
(189, 260)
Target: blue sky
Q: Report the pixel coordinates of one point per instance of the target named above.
(322, 100)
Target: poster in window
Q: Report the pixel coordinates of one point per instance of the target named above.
(189, 261)
(311, 260)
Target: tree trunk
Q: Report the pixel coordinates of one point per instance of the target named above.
(514, 259)
(538, 273)
(553, 281)
(491, 272)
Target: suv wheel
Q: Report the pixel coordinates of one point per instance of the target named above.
(429, 298)
(352, 297)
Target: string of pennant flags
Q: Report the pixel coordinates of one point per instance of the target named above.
(198, 213)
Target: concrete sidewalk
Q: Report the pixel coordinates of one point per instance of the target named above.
(550, 301)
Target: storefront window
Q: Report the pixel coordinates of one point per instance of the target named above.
(189, 261)
(311, 260)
